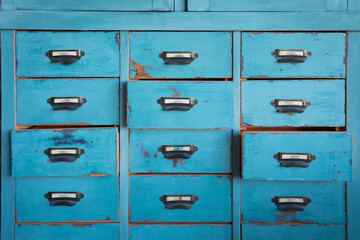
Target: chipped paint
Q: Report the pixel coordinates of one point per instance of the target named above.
(140, 69)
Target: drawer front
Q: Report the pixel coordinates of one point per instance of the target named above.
(64, 152)
(213, 192)
(281, 156)
(99, 203)
(65, 232)
(214, 55)
(327, 204)
(327, 58)
(180, 232)
(293, 232)
(213, 108)
(327, 103)
(40, 101)
(101, 53)
(195, 151)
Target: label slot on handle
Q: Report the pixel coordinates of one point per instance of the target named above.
(291, 203)
(64, 57)
(291, 55)
(301, 160)
(178, 58)
(66, 103)
(177, 104)
(290, 105)
(179, 201)
(64, 198)
(64, 154)
(178, 151)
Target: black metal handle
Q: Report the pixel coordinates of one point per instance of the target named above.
(301, 160)
(179, 201)
(64, 154)
(65, 57)
(64, 198)
(290, 105)
(177, 151)
(291, 55)
(291, 203)
(177, 104)
(66, 103)
(178, 58)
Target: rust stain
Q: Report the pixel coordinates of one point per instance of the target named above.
(94, 174)
(338, 172)
(288, 114)
(176, 93)
(129, 110)
(117, 39)
(67, 138)
(140, 70)
(144, 153)
(333, 153)
(156, 155)
(151, 171)
(177, 161)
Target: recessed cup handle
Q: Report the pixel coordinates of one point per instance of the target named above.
(66, 103)
(65, 57)
(291, 55)
(177, 104)
(178, 58)
(179, 201)
(178, 151)
(301, 160)
(291, 203)
(64, 154)
(64, 198)
(290, 105)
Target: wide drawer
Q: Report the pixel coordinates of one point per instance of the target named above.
(327, 50)
(67, 232)
(67, 101)
(180, 55)
(180, 232)
(98, 199)
(293, 103)
(180, 104)
(64, 152)
(98, 53)
(282, 202)
(180, 151)
(180, 198)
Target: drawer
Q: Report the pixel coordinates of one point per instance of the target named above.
(97, 55)
(67, 101)
(307, 103)
(293, 232)
(180, 104)
(180, 151)
(327, 58)
(99, 200)
(315, 156)
(179, 232)
(325, 202)
(180, 55)
(180, 199)
(64, 152)
(65, 232)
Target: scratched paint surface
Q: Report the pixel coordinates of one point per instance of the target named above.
(100, 203)
(327, 59)
(214, 50)
(333, 151)
(29, 159)
(214, 204)
(327, 202)
(327, 99)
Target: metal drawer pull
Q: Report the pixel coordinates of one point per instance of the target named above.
(179, 201)
(301, 160)
(291, 203)
(64, 154)
(178, 58)
(291, 55)
(178, 151)
(64, 198)
(177, 104)
(66, 103)
(290, 105)
(65, 57)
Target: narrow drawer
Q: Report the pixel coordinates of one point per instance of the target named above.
(67, 101)
(180, 55)
(293, 103)
(64, 152)
(180, 104)
(76, 54)
(63, 232)
(180, 199)
(327, 50)
(180, 151)
(98, 199)
(282, 202)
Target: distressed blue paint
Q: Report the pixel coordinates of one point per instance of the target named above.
(101, 108)
(327, 205)
(7, 4)
(354, 5)
(293, 232)
(100, 202)
(28, 158)
(337, 5)
(213, 110)
(326, 61)
(327, 103)
(101, 54)
(180, 5)
(179, 232)
(333, 151)
(214, 194)
(214, 49)
(213, 155)
(161, 5)
(66, 232)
